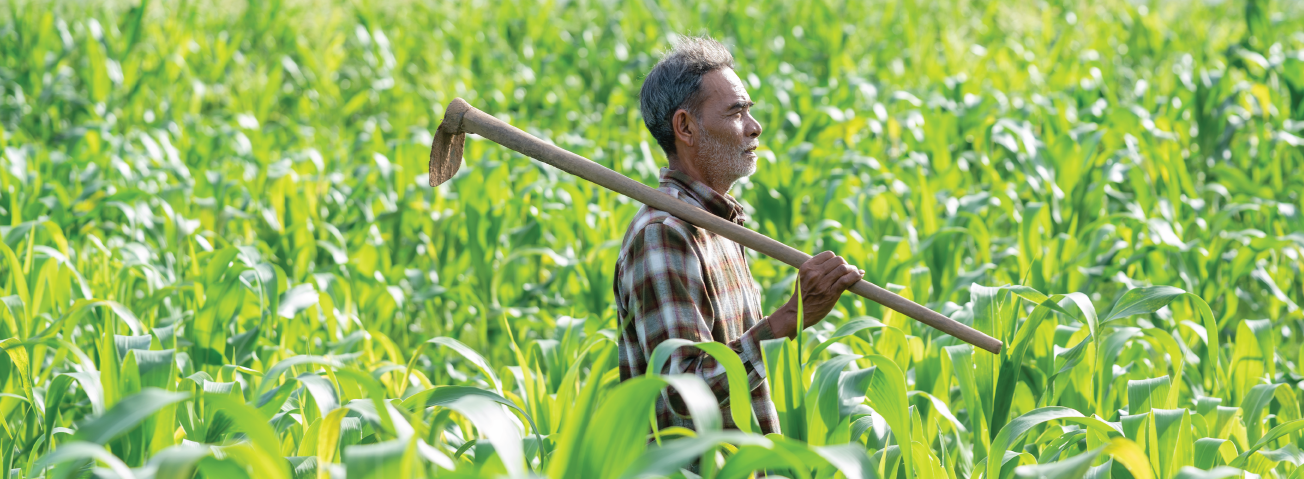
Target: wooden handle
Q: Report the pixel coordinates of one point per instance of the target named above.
(485, 125)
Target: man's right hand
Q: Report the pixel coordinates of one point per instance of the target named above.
(823, 279)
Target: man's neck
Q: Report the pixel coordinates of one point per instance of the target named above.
(690, 168)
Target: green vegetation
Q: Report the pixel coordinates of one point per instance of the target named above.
(220, 257)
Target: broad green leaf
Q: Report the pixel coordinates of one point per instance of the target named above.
(1209, 451)
(666, 459)
(1278, 432)
(1022, 424)
(1130, 456)
(1146, 394)
(328, 439)
(961, 358)
(1012, 362)
(846, 329)
(475, 359)
(83, 451)
(1142, 301)
(446, 395)
(887, 395)
(126, 415)
(1072, 468)
(825, 394)
(850, 460)
(786, 375)
(273, 374)
(1252, 409)
(178, 462)
(382, 460)
(739, 399)
(1174, 447)
(264, 451)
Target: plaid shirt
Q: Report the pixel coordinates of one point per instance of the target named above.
(681, 281)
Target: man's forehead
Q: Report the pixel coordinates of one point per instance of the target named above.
(727, 87)
(735, 84)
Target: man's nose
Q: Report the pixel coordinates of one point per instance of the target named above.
(752, 128)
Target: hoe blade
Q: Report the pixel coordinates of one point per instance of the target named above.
(446, 151)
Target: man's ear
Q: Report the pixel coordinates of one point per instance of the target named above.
(685, 127)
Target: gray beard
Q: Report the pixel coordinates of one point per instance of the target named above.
(724, 164)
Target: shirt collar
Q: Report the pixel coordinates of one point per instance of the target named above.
(722, 205)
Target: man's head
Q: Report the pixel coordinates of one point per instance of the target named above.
(700, 113)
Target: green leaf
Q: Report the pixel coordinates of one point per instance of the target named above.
(297, 299)
(1142, 301)
(383, 460)
(1208, 450)
(749, 459)
(1072, 468)
(472, 356)
(1022, 424)
(1012, 361)
(1252, 408)
(846, 329)
(82, 451)
(178, 462)
(1175, 447)
(850, 460)
(126, 415)
(672, 455)
(1145, 394)
(739, 399)
(328, 440)
(1276, 433)
(824, 393)
(887, 395)
(263, 455)
(785, 373)
(273, 375)
(322, 390)
(1088, 312)
(569, 458)
(446, 395)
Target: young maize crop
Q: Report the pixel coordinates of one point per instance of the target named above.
(218, 256)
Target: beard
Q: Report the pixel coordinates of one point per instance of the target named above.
(726, 162)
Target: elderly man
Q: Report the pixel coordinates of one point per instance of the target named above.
(675, 280)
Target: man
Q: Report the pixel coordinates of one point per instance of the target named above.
(675, 280)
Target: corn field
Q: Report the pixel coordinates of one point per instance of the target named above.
(221, 259)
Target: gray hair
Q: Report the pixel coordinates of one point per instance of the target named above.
(674, 82)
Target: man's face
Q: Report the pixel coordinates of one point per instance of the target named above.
(728, 149)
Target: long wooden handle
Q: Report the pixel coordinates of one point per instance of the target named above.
(485, 125)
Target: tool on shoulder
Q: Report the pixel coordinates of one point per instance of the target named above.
(461, 118)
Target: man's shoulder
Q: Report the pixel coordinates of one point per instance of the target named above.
(650, 216)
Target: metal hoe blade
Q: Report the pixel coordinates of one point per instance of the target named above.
(446, 151)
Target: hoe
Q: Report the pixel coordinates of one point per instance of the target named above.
(461, 118)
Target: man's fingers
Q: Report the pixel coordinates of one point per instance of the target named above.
(820, 258)
(832, 265)
(839, 271)
(850, 278)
